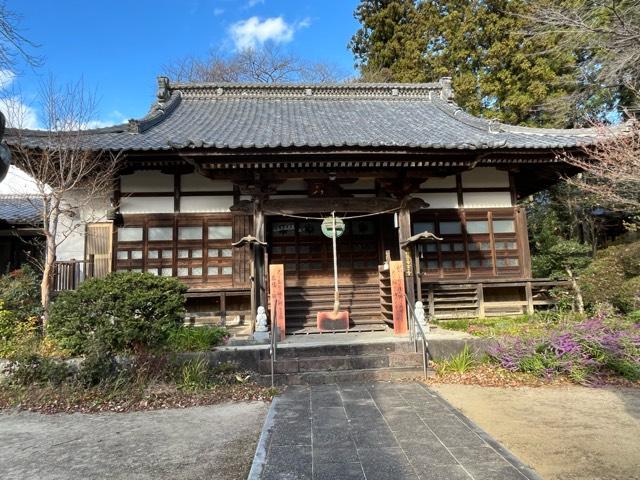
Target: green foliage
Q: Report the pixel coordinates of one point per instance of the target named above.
(35, 369)
(497, 70)
(460, 363)
(97, 368)
(613, 277)
(563, 257)
(196, 339)
(20, 293)
(122, 312)
(195, 374)
(16, 335)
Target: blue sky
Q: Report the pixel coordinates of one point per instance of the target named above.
(118, 47)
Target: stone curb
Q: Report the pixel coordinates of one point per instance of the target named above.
(260, 456)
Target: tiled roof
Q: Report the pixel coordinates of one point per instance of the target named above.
(20, 209)
(231, 117)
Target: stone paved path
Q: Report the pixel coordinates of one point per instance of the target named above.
(378, 431)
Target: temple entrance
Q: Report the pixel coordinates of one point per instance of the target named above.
(307, 257)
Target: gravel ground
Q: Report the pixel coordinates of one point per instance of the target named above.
(196, 443)
(566, 433)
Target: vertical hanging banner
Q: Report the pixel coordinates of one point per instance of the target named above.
(398, 302)
(276, 297)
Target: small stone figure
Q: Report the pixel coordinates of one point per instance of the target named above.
(261, 320)
(420, 316)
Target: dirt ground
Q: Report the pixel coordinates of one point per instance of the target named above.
(209, 442)
(566, 433)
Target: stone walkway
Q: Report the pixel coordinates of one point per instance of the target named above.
(378, 431)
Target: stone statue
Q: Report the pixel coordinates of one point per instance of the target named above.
(261, 320)
(420, 316)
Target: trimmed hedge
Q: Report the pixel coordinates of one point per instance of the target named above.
(122, 312)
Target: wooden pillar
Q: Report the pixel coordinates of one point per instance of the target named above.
(480, 296)
(258, 273)
(529, 294)
(523, 241)
(432, 304)
(404, 232)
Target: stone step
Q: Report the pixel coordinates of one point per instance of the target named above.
(343, 376)
(340, 363)
(343, 350)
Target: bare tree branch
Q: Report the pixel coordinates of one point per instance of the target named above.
(267, 64)
(611, 168)
(69, 177)
(13, 45)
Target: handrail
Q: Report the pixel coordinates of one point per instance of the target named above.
(416, 328)
(274, 340)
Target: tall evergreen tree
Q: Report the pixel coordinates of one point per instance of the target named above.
(497, 69)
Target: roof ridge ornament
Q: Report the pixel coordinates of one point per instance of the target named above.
(164, 89)
(446, 89)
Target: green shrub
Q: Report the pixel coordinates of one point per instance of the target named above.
(628, 297)
(20, 293)
(35, 369)
(122, 312)
(613, 277)
(196, 339)
(16, 335)
(97, 368)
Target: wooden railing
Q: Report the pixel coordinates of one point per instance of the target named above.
(68, 274)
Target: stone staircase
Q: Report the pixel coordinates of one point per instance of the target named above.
(340, 363)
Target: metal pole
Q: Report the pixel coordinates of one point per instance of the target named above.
(425, 358)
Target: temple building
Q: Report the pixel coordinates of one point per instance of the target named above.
(212, 164)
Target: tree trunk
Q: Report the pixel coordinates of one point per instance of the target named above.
(46, 284)
(576, 290)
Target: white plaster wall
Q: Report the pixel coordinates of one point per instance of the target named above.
(440, 182)
(146, 181)
(17, 182)
(486, 199)
(194, 182)
(146, 205)
(72, 229)
(212, 204)
(439, 200)
(484, 177)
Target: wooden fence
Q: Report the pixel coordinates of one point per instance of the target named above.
(68, 274)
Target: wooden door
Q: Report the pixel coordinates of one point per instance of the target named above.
(307, 254)
(98, 244)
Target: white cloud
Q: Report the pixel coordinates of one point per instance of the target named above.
(253, 32)
(18, 114)
(218, 11)
(114, 118)
(6, 78)
(253, 3)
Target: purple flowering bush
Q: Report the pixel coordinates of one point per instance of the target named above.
(581, 350)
